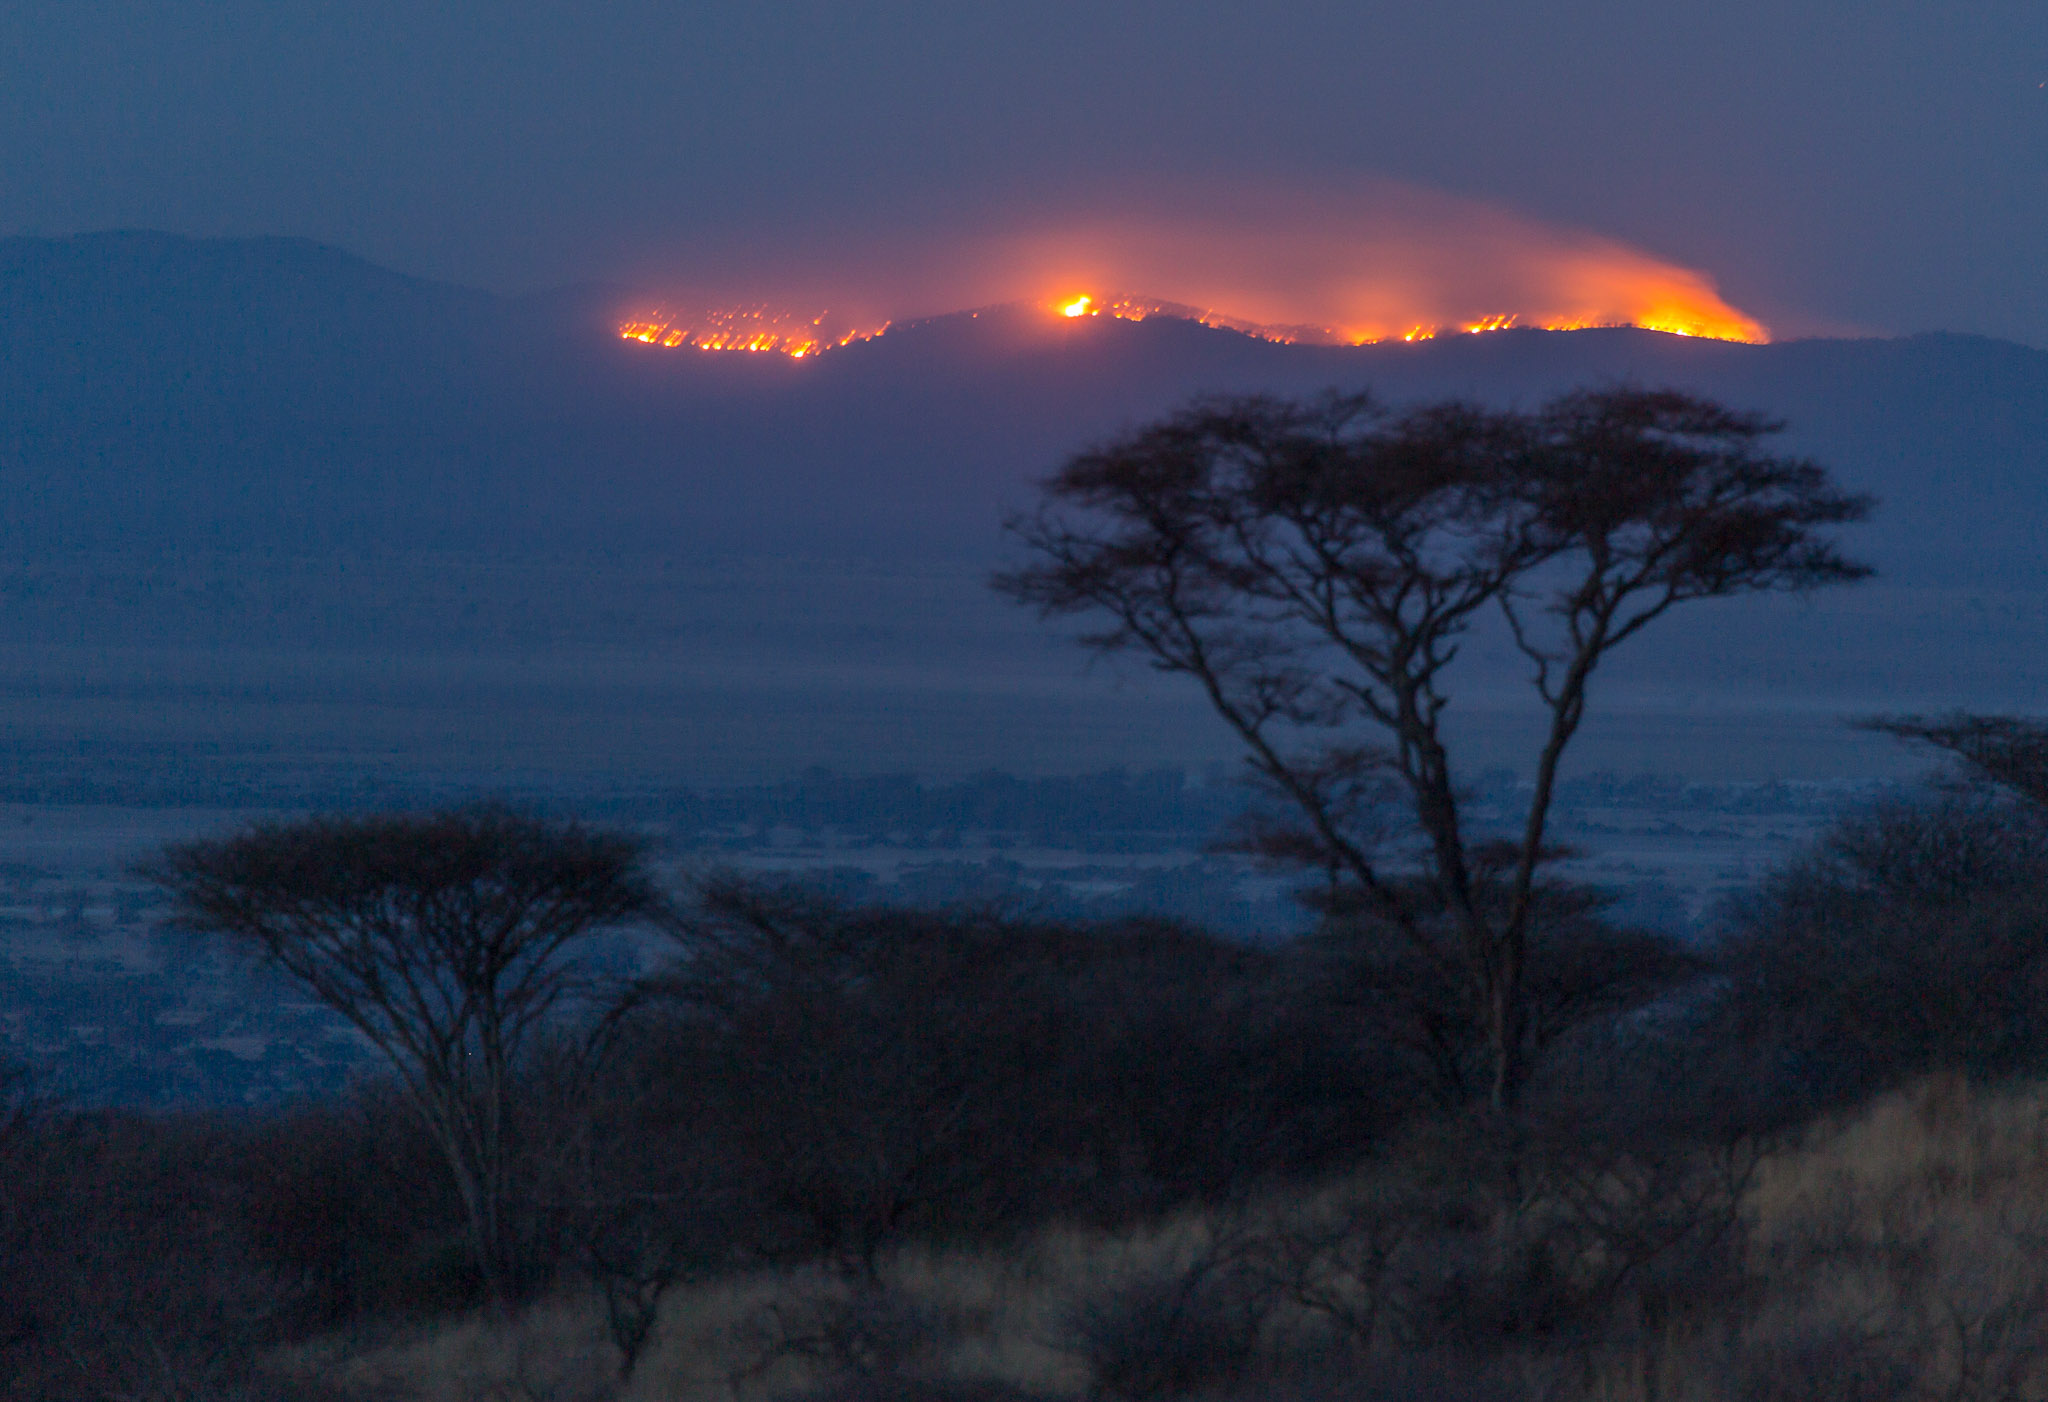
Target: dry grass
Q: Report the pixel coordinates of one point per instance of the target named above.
(1937, 1147)
(1915, 1232)
(997, 1317)
(1901, 1250)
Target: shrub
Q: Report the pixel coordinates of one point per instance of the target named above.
(349, 1208)
(1173, 1333)
(874, 1075)
(1914, 936)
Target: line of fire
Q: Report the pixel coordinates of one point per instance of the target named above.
(766, 329)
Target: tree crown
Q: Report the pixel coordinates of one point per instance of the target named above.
(424, 930)
(1314, 567)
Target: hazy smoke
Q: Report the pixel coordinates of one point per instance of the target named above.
(1367, 263)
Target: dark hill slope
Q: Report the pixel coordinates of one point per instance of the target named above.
(276, 394)
(269, 510)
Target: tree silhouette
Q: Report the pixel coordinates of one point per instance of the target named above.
(442, 939)
(1314, 566)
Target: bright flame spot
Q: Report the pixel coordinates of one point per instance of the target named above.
(1080, 306)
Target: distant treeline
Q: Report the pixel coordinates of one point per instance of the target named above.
(902, 809)
(1186, 809)
(1048, 810)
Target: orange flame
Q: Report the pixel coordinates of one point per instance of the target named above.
(796, 336)
(1398, 265)
(754, 328)
(1372, 262)
(1678, 318)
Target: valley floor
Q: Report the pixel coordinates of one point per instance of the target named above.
(121, 1011)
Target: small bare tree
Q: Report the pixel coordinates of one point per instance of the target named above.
(443, 938)
(1314, 567)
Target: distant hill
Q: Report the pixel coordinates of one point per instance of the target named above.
(262, 493)
(276, 393)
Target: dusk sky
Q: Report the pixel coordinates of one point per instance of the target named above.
(1878, 166)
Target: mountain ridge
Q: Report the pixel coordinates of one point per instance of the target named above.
(267, 505)
(156, 388)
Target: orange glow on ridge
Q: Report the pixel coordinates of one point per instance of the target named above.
(1400, 265)
(762, 328)
(753, 328)
(1349, 263)
(1694, 317)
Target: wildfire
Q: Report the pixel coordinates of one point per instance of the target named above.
(1677, 319)
(755, 328)
(1343, 262)
(1681, 305)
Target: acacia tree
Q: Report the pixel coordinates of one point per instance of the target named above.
(1314, 567)
(443, 938)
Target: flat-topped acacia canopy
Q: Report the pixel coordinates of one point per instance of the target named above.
(1314, 565)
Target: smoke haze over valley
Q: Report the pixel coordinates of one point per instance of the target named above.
(283, 517)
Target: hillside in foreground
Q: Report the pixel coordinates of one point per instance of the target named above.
(1889, 1252)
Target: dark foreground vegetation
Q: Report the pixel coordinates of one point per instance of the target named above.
(1159, 1164)
(1472, 1137)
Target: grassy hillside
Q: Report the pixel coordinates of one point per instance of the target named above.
(1890, 1251)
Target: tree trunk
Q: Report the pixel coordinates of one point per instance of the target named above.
(1504, 1033)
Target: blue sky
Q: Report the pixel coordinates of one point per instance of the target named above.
(1877, 165)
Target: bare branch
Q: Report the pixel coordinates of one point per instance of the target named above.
(440, 937)
(1315, 565)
